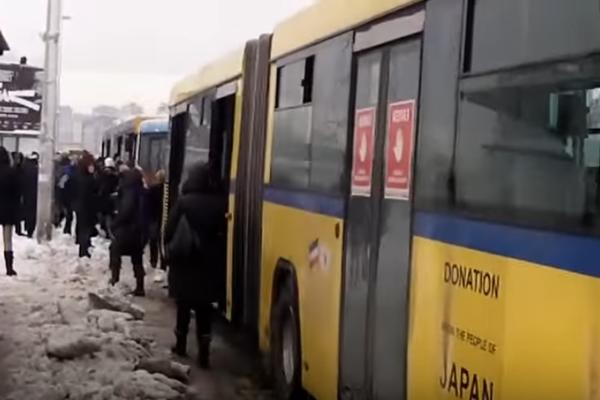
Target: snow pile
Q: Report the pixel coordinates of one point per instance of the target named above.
(112, 299)
(72, 336)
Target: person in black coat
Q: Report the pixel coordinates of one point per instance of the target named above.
(19, 166)
(154, 209)
(193, 278)
(9, 207)
(128, 229)
(109, 182)
(29, 188)
(85, 197)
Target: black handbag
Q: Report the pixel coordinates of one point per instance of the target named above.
(185, 241)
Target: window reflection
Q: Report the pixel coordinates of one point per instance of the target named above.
(528, 146)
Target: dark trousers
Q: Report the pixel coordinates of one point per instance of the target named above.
(105, 222)
(68, 220)
(156, 248)
(83, 232)
(30, 223)
(137, 259)
(19, 228)
(203, 319)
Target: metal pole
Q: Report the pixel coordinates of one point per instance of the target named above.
(49, 121)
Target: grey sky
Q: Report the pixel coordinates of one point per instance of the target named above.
(115, 51)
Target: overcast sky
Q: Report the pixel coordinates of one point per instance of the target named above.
(116, 51)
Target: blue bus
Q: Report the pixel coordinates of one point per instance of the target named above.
(153, 145)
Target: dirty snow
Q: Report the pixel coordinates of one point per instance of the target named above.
(59, 344)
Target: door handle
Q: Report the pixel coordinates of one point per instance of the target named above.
(228, 216)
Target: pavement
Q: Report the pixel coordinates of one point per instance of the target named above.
(50, 293)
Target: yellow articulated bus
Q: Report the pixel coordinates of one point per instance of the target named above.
(413, 196)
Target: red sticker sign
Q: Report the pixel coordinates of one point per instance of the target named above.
(400, 143)
(364, 143)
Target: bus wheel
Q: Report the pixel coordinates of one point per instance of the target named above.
(285, 344)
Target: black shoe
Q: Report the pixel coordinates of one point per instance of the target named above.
(139, 287)
(179, 349)
(85, 253)
(203, 360)
(9, 259)
(115, 275)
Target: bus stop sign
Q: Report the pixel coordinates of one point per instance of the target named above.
(399, 153)
(364, 143)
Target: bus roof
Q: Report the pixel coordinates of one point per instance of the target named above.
(210, 75)
(130, 126)
(327, 18)
(159, 125)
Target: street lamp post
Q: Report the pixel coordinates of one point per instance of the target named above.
(49, 120)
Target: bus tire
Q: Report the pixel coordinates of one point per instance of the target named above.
(285, 344)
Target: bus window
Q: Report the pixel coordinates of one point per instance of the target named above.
(330, 97)
(154, 159)
(311, 120)
(206, 111)
(144, 159)
(515, 32)
(197, 136)
(529, 151)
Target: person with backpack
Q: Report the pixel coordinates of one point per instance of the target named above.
(194, 228)
(10, 198)
(128, 229)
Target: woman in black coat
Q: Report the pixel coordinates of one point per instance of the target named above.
(85, 197)
(18, 163)
(129, 236)
(30, 190)
(193, 278)
(154, 202)
(9, 206)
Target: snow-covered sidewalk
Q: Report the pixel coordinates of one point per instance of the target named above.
(57, 341)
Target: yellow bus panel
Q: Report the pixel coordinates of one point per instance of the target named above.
(210, 75)
(488, 326)
(288, 234)
(327, 18)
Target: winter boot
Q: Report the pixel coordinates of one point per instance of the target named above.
(139, 287)
(180, 347)
(8, 259)
(115, 275)
(204, 351)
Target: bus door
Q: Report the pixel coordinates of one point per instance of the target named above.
(221, 141)
(378, 226)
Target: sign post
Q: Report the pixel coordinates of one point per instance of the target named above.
(399, 153)
(364, 143)
(49, 121)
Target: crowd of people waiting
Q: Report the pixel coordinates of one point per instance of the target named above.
(113, 199)
(116, 199)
